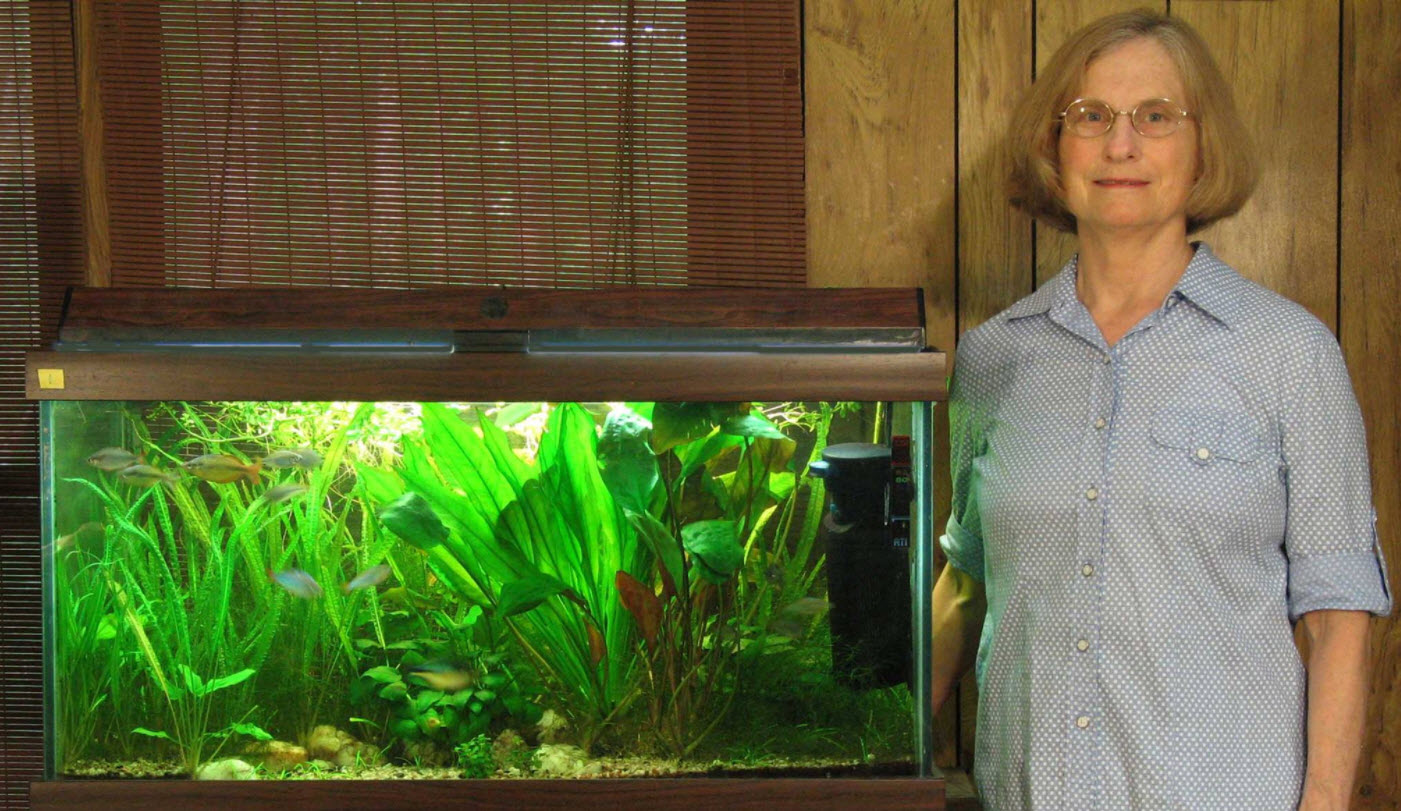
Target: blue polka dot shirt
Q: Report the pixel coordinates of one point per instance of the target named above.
(1148, 520)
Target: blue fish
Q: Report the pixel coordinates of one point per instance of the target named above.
(369, 578)
(296, 582)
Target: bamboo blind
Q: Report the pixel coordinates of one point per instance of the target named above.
(40, 253)
(397, 144)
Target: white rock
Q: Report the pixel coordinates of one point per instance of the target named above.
(227, 769)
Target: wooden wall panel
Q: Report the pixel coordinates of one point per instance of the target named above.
(1056, 20)
(994, 241)
(1281, 59)
(1370, 292)
(880, 134)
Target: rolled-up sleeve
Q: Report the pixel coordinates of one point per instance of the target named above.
(962, 540)
(1335, 561)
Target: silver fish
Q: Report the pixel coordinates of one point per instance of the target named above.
(282, 492)
(113, 459)
(145, 476)
(297, 583)
(302, 457)
(369, 578)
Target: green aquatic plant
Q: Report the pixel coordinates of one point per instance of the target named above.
(89, 654)
(700, 482)
(445, 688)
(474, 760)
(315, 525)
(537, 542)
(190, 710)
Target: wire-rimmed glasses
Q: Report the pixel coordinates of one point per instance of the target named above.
(1151, 118)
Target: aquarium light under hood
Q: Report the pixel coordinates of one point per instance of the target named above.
(317, 341)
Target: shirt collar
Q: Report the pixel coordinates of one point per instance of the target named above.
(1208, 283)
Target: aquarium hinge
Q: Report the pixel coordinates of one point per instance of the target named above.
(488, 340)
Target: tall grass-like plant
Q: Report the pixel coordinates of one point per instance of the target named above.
(309, 656)
(539, 542)
(175, 600)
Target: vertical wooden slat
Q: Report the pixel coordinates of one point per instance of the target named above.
(96, 238)
(1281, 59)
(880, 133)
(1368, 329)
(1056, 20)
(994, 240)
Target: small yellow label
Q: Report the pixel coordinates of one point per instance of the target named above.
(50, 378)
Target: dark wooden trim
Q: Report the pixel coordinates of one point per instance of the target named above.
(353, 795)
(486, 308)
(494, 377)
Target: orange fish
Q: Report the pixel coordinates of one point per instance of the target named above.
(221, 469)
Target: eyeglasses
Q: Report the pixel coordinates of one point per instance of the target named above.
(1152, 118)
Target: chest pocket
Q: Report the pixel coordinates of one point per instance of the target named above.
(1209, 459)
(1209, 434)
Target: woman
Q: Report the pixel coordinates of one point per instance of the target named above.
(1158, 467)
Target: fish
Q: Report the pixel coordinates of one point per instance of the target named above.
(297, 583)
(282, 492)
(443, 676)
(145, 476)
(114, 459)
(795, 619)
(221, 469)
(301, 457)
(369, 578)
(88, 538)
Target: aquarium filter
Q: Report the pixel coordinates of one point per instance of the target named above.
(868, 560)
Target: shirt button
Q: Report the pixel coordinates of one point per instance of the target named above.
(1083, 721)
(1203, 454)
(1100, 423)
(1087, 570)
(1091, 494)
(1104, 359)
(1082, 644)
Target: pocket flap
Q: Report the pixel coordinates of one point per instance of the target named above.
(1207, 433)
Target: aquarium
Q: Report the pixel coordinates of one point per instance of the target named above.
(650, 578)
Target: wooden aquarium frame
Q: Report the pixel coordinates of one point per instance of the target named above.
(145, 344)
(862, 344)
(645, 794)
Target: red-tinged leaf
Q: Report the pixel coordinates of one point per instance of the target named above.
(642, 603)
(597, 648)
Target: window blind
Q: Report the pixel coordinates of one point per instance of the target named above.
(394, 144)
(40, 253)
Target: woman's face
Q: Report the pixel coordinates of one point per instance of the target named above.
(1122, 181)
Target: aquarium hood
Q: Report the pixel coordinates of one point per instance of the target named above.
(489, 343)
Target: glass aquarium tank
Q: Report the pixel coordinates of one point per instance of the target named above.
(282, 552)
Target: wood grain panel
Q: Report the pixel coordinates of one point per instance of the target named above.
(1056, 20)
(994, 240)
(1370, 336)
(880, 155)
(487, 376)
(1281, 59)
(994, 245)
(96, 237)
(174, 310)
(365, 795)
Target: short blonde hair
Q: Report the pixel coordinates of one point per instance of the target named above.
(1227, 163)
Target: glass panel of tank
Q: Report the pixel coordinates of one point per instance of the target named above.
(297, 589)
